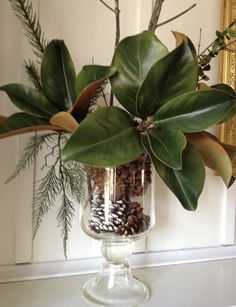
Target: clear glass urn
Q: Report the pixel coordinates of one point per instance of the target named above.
(119, 210)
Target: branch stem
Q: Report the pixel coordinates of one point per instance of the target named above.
(155, 15)
(117, 12)
(176, 16)
(108, 6)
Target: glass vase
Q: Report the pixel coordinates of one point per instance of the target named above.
(119, 210)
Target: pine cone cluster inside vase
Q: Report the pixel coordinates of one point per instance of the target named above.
(120, 213)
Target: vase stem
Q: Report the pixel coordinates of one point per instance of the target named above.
(115, 284)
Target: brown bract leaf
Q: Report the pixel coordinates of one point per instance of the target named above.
(65, 121)
(179, 38)
(204, 86)
(2, 118)
(213, 154)
(30, 129)
(82, 103)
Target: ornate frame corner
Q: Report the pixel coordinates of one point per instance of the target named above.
(227, 131)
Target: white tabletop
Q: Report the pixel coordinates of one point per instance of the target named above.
(205, 284)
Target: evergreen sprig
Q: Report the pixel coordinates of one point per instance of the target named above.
(48, 189)
(65, 216)
(30, 22)
(75, 177)
(63, 179)
(24, 11)
(29, 154)
(33, 74)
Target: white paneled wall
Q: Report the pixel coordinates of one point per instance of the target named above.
(88, 30)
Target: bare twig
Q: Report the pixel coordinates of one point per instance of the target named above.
(175, 17)
(117, 12)
(108, 6)
(199, 42)
(155, 15)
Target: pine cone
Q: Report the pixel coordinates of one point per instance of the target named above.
(128, 178)
(108, 220)
(119, 217)
(136, 220)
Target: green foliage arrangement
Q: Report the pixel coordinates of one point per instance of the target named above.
(161, 109)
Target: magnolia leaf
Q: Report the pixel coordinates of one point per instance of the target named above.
(230, 149)
(65, 121)
(106, 137)
(29, 100)
(173, 75)
(224, 88)
(58, 75)
(133, 58)
(213, 154)
(195, 111)
(88, 81)
(20, 123)
(186, 184)
(229, 90)
(165, 145)
(92, 73)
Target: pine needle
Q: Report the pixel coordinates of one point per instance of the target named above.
(48, 189)
(75, 178)
(33, 147)
(23, 9)
(33, 74)
(65, 216)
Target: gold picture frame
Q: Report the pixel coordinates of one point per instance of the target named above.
(227, 131)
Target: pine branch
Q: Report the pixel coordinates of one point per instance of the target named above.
(75, 178)
(33, 147)
(48, 189)
(24, 11)
(65, 216)
(33, 74)
(66, 212)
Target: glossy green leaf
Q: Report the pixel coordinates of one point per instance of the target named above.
(20, 123)
(213, 154)
(87, 83)
(29, 100)
(229, 90)
(173, 75)
(224, 88)
(91, 73)
(186, 184)
(195, 111)
(58, 75)
(106, 137)
(166, 145)
(133, 59)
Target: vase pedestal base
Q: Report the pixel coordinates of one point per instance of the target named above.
(115, 284)
(118, 291)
